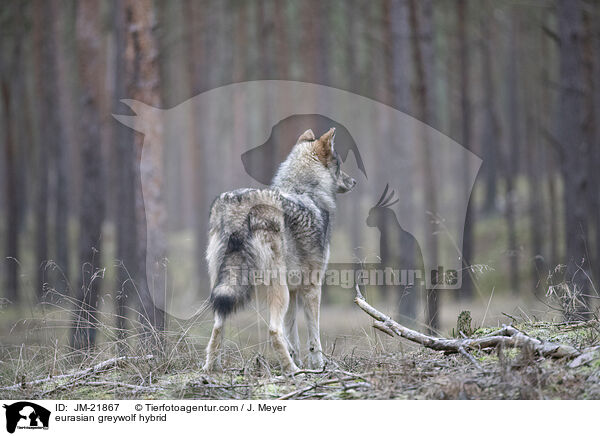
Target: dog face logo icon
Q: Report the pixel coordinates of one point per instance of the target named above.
(26, 415)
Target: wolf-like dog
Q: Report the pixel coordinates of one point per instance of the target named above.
(284, 229)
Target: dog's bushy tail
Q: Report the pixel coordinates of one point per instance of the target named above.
(232, 288)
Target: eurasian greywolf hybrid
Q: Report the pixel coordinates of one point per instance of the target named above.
(272, 234)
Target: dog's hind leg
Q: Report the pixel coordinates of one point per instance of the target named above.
(312, 305)
(291, 329)
(266, 224)
(212, 349)
(278, 298)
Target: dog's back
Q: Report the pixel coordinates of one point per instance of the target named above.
(245, 235)
(261, 230)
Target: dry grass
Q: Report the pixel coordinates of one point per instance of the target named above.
(362, 364)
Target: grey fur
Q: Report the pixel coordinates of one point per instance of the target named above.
(286, 227)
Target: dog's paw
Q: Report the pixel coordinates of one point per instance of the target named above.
(296, 358)
(315, 360)
(209, 367)
(292, 369)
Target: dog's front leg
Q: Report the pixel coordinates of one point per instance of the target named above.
(278, 297)
(291, 329)
(312, 305)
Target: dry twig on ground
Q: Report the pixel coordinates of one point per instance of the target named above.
(78, 375)
(507, 336)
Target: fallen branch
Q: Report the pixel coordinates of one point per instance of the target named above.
(567, 325)
(321, 384)
(470, 358)
(109, 384)
(507, 336)
(588, 355)
(100, 367)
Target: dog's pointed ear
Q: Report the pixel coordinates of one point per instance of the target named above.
(328, 136)
(324, 146)
(306, 136)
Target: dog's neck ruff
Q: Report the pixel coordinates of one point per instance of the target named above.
(301, 174)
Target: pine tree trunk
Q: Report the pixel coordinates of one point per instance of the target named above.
(491, 131)
(573, 145)
(11, 255)
(58, 154)
(596, 144)
(400, 79)
(592, 129)
(466, 291)
(511, 161)
(420, 22)
(196, 23)
(150, 208)
(43, 147)
(92, 209)
(123, 146)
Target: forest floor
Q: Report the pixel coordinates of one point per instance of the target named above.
(387, 369)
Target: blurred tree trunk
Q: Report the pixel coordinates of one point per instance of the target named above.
(52, 154)
(553, 202)
(265, 27)
(92, 208)
(351, 47)
(532, 95)
(316, 29)
(126, 162)
(591, 48)
(315, 33)
(142, 70)
(511, 161)
(11, 255)
(282, 60)
(491, 129)
(536, 203)
(281, 40)
(240, 65)
(196, 23)
(46, 122)
(570, 118)
(68, 163)
(462, 11)
(324, 65)
(59, 150)
(596, 144)
(399, 35)
(399, 60)
(421, 25)
(351, 82)
(10, 61)
(550, 155)
(23, 133)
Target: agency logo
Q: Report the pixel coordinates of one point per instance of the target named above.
(26, 415)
